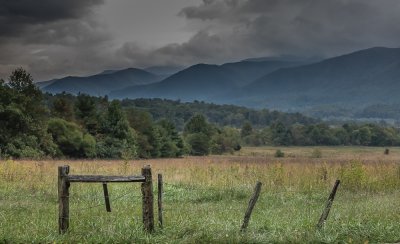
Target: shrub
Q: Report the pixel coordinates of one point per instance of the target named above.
(237, 147)
(387, 151)
(279, 154)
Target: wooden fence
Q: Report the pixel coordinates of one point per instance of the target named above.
(65, 180)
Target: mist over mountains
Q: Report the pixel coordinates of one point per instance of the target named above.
(355, 80)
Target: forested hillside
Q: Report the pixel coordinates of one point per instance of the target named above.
(37, 125)
(223, 115)
(357, 79)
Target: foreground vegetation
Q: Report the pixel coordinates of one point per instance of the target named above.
(205, 198)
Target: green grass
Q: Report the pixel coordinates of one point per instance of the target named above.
(205, 200)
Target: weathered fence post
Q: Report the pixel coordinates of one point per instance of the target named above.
(160, 207)
(252, 203)
(325, 214)
(63, 199)
(147, 197)
(106, 197)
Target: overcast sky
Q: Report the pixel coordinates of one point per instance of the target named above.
(55, 38)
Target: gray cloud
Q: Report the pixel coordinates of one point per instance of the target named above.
(210, 9)
(235, 29)
(202, 47)
(305, 27)
(51, 37)
(58, 37)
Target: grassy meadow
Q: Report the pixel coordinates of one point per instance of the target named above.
(205, 198)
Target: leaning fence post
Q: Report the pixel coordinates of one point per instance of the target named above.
(147, 198)
(160, 193)
(106, 197)
(325, 214)
(63, 199)
(252, 203)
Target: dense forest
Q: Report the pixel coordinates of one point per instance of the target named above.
(222, 115)
(37, 125)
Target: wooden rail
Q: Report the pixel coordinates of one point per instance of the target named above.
(104, 178)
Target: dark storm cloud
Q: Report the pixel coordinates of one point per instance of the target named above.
(17, 15)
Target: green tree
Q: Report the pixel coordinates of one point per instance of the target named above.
(199, 144)
(86, 112)
(23, 118)
(280, 134)
(149, 135)
(246, 130)
(71, 141)
(365, 136)
(226, 140)
(117, 138)
(63, 108)
(198, 133)
(172, 143)
(198, 124)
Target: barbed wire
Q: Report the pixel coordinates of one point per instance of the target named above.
(233, 189)
(166, 193)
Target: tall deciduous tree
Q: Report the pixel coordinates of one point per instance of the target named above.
(23, 118)
(198, 133)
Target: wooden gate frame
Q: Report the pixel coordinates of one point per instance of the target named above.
(64, 180)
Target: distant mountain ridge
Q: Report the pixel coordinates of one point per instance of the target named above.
(198, 82)
(103, 83)
(203, 81)
(164, 70)
(364, 77)
(354, 80)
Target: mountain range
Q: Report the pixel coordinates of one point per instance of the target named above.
(357, 79)
(361, 78)
(100, 84)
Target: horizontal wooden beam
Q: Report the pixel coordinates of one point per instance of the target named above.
(104, 178)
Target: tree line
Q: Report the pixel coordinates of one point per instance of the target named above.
(322, 134)
(37, 125)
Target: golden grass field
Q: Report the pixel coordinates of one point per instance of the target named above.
(205, 198)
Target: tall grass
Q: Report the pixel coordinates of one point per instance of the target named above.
(205, 200)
